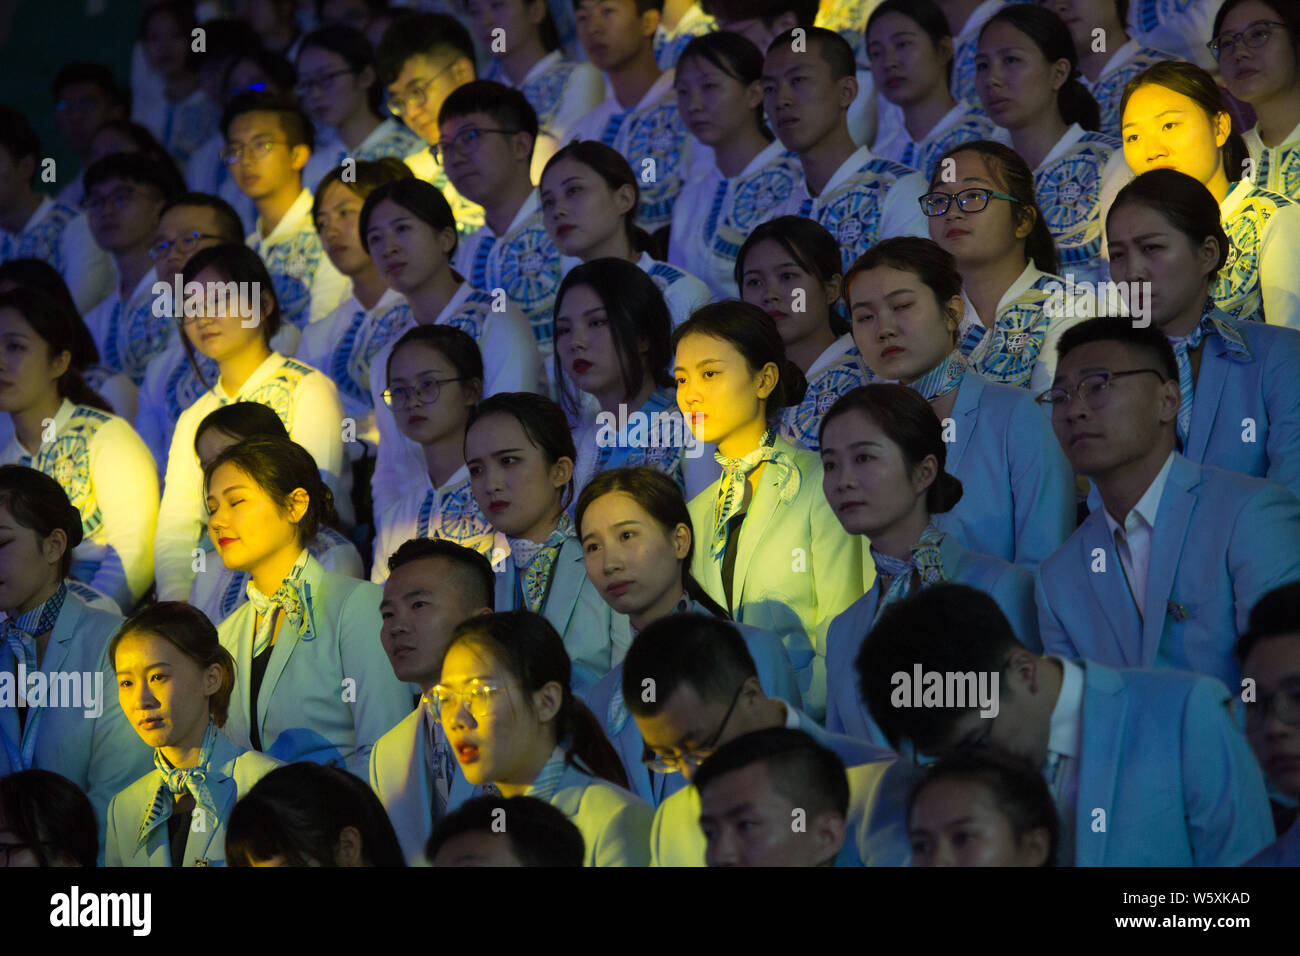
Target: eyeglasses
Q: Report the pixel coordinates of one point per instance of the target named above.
(118, 198)
(1093, 390)
(1283, 704)
(662, 764)
(970, 200)
(323, 82)
(427, 390)
(231, 155)
(1255, 36)
(186, 244)
(466, 141)
(399, 103)
(476, 695)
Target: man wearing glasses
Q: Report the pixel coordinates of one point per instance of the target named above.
(1167, 570)
(420, 60)
(268, 142)
(691, 685)
(1270, 656)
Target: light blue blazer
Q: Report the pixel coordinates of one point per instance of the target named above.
(1009, 584)
(231, 774)
(595, 637)
(103, 754)
(1265, 390)
(399, 776)
(796, 567)
(775, 676)
(615, 823)
(677, 840)
(326, 700)
(1162, 756)
(1222, 541)
(1017, 499)
(1284, 851)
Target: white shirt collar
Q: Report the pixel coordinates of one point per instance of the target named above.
(768, 154)
(42, 210)
(531, 206)
(260, 374)
(142, 288)
(1014, 292)
(977, 19)
(658, 90)
(1067, 140)
(1148, 505)
(1291, 139)
(860, 157)
(1122, 56)
(291, 223)
(60, 419)
(1067, 715)
(539, 68)
(832, 354)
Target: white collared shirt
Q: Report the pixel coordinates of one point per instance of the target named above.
(307, 286)
(1066, 740)
(60, 235)
(1133, 539)
(1277, 168)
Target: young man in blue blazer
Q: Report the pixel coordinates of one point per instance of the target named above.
(1167, 570)
(1147, 767)
(433, 585)
(691, 686)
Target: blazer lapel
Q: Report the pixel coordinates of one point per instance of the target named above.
(1111, 591)
(566, 582)
(412, 804)
(285, 642)
(965, 415)
(1205, 402)
(1104, 711)
(757, 518)
(1173, 518)
(60, 642)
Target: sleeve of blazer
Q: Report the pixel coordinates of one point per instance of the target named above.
(625, 838)
(1265, 548)
(1051, 631)
(1042, 484)
(381, 699)
(1282, 399)
(1228, 816)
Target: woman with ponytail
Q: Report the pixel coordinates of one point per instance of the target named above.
(67, 431)
(511, 718)
(1259, 282)
(883, 456)
(775, 556)
(174, 683)
(1027, 75)
(313, 681)
(904, 297)
(637, 542)
(238, 339)
(983, 213)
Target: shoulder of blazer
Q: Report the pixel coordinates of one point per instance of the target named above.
(1228, 491)
(250, 766)
(400, 738)
(87, 623)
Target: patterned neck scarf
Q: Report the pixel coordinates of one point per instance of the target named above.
(547, 780)
(1213, 322)
(177, 781)
(731, 487)
(926, 561)
(943, 378)
(536, 561)
(291, 597)
(20, 633)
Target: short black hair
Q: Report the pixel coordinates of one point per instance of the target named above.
(95, 74)
(539, 834)
(420, 34)
(51, 815)
(832, 48)
(134, 168)
(1147, 338)
(297, 126)
(698, 650)
(505, 104)
(1276, 614)
(18, 138)
(949, 628)
(802, 770)
(229, 224)
(473, 569)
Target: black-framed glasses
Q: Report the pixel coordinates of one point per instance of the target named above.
(186, 244)
(1093, 390)
(1283, 703)
(477, 696)
(230, 155)
(975, 199)
(117, 198)
(400, 103)
(427, 390)
(1254, 36)
(321, 82)
(466, 141)
(662, 764)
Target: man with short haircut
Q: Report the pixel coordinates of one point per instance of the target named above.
(433, 585)
(486, 139)
(809, 83)
(1167, 570)
(493, 830)
(773, 797)
(268, 142)
(1147, 767)
(125, 196)
(1269, 652)
(86, 96)
(422, 58)
(34, 226)
(691, 685)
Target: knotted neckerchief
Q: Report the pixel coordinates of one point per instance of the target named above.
(19, 636)
(943, 378)
(289, 597)
(731, 487)
(177, 781)
(1213, 322)
(536, 561)
(926, 561)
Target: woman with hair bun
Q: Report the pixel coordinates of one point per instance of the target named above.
(313, 680)
(174, 682)
(733, 380)
(883, 457)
